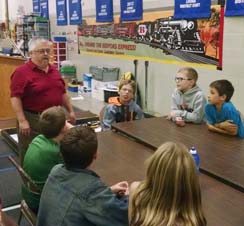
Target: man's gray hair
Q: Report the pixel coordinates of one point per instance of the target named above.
(34, 42)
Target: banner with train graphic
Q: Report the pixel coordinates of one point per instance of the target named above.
(159, 38)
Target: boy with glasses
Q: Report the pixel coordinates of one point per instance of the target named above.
(188, 100)
(122, 108)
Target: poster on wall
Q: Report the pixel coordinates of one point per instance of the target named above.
(131, 10)
(44, 8)
(61, 12)
(75, 12)
(192, 9)
(104, 10)
(36, 6)
(234, 8)
(159, 38)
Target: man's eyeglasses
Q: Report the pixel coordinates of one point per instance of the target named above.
(42, 51)
(179, 79)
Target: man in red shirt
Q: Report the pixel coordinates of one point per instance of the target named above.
(36, 86)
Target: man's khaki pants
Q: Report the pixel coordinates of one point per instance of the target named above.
(24, 141)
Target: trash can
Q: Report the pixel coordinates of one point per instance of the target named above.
(109, 93)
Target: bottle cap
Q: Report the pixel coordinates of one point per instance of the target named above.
(193, 150)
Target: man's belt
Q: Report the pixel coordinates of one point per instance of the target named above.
(33, 112)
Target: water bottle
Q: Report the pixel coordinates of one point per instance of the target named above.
(80, 90)
(196, 157)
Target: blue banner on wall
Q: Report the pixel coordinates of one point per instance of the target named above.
(44, 8)
(36, 6)
(75, 15)
(190, 9)
(104, 10)
(61, 12)
(234, 8)
(131, 10)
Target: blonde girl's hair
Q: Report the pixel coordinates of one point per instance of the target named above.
(170, 194)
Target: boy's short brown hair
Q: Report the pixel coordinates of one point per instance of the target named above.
(191, 73)
(128, 82)
(223, 87)
(78, 147)
(52, 121)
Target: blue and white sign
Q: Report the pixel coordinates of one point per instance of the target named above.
(190, 9)
(104, 10)
(234, 8)
(75, 15)
(36, 6)
(131, 10)
(61, 12)
(44, 8)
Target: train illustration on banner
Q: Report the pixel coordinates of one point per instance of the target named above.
(164, 33)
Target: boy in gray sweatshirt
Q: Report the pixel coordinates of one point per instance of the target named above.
(188, 100)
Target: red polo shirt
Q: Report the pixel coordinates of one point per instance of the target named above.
(37, 89)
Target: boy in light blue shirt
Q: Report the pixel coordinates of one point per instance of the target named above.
(221, 114)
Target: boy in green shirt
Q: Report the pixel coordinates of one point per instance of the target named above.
(43, 152)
